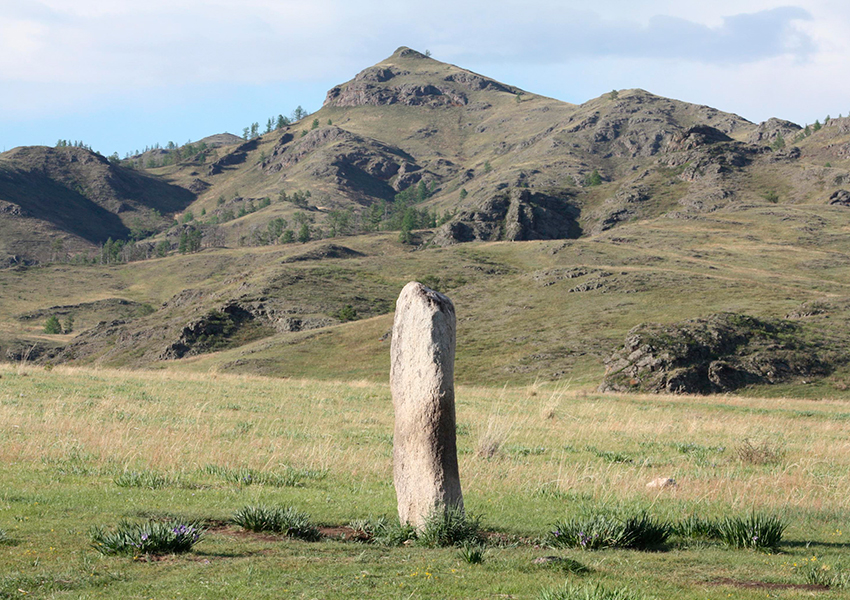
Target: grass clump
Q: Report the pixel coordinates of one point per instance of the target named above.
(698, 528)
(276, 519)
(450, 526)
(472, 553)
(564, 565)
(640, 532)
(142, 479)
(595, 592)
(834, 577)
(291, 477)
(384, 532)
(761, 532)
(151, 537)
(764, 453)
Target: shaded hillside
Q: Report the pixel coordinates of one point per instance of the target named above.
(78, 197)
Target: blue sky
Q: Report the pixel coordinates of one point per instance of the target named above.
(122, 75)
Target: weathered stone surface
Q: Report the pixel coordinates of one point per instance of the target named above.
(517, 215)
(425, 470)
(840, 198)
(717, 354)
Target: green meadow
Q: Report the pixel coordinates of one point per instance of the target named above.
(82, 449)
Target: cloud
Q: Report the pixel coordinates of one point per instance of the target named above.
(158, 42)
(565, 36)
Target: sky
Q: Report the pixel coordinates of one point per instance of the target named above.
(122, 75)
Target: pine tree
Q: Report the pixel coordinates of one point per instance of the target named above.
(68, 325)
(421, 193)
(304, 233)
(52, 325)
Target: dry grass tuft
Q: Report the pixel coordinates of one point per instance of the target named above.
(764, 453)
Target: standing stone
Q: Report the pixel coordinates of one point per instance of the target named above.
(425, 469)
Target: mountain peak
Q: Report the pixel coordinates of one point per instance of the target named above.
(411, 78)
(405, 52)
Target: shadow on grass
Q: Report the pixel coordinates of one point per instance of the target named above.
(225, 554)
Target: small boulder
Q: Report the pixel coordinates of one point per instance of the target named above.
(661, 483)
(840, 198)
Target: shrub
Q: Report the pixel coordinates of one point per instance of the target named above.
(754, 531)
(593, 179)
(450, 526)
(640, 532)
(347, 313)
(277, 520)
(152, 537)
(596, 592)
(760, 454)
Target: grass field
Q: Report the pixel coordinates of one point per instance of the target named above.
(81, 448)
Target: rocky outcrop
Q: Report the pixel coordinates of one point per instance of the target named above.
(624, 206)
(212, 331)
(772, 129)
(695, 137)
(425, 469)
(324, 252)
(363, 93)
(720, 353)
(476, 82)
(517, 215)
(840, 198)
(365, 168)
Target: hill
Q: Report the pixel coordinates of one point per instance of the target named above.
(633, 209)
(60, 201)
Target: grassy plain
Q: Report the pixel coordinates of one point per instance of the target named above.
(67, 435)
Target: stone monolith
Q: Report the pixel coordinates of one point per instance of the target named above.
(425, 469)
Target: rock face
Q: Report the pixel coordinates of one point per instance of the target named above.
(425, 471)
(840, 198)
(517, 215)
(717, 354)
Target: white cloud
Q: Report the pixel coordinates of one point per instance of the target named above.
(755, 57)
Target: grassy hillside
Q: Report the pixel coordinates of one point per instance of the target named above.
(526, 310)
(88, 448)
